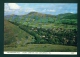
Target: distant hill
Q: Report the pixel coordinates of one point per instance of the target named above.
(39, 16)
(36, 14)
(67, 16)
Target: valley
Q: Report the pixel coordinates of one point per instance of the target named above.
(40, 32)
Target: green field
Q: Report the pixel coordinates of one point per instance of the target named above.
(52, 25)
(43, 48)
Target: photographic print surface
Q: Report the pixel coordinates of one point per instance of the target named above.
(40, 27)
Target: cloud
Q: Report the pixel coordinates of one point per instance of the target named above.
(29, 10)
(44, 10)
(71, 12)
(6, 8)
(13, 6)
(48, 10)
(51, 10)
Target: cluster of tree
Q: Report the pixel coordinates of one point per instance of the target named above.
(67, 16)
(14, 23)
(72, 16)
(69, 21)
(52, 36)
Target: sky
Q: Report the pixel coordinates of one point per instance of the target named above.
(45, 8)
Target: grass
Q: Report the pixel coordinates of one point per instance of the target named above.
(43, 48)
(11, 31)
(53, 25)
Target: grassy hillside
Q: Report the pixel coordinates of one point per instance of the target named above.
(13, 34)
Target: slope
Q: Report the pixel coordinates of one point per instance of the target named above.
(14, 35)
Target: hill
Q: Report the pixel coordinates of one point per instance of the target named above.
(67, 16)
(43, 18)
(36, 15)
(13, 35)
